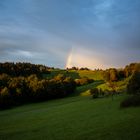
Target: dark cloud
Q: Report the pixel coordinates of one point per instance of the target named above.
(51, 28)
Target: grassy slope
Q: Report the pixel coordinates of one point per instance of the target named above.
(84, 90)
(96, 75)
(71, 118)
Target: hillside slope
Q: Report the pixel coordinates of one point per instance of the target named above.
(71, 118)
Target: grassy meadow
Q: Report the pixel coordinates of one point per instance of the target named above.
(78, 117)
(96, 75)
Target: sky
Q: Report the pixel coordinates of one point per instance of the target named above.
(66, 33)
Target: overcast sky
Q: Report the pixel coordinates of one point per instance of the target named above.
(65, 33)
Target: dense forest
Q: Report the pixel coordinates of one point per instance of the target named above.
(22, 83)
(22, 69)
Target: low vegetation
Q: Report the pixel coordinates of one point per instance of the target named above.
(83, 81)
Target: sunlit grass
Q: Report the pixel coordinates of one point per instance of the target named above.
(96, 75)
(119, 85)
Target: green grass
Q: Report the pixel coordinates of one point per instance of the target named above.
(84, 90)
(72, 74)
(73, 118)
(96, 75)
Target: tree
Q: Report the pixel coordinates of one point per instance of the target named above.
(133, 86)
(113, 75)
(130, 69)
(4, 78)
(106, 76)
(5, 98)
(110, 75)
(59, 77)
(83, 81)
(4, 92)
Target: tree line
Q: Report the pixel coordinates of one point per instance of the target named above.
(114, 75)
(19, 90)
(23, 83)
(23, 69)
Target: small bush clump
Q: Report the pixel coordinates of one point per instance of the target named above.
(83, 81)
(94, 92)
(131, 101)
(133, 86)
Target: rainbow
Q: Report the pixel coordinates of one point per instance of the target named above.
(81, 57)
(69, 59)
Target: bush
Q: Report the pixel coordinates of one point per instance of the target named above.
(5, 98)
(4, 78)
(83, 81)
(4, 92)
(94, 92)
(133, 86)
(131, 101)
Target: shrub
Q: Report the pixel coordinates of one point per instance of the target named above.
(4, 78)
(94, 92)
(4, 92)
(83, 81)
(131, 101)
(5, 98)
(133, 86)
(101, 92)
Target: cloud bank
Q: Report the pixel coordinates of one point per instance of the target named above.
(103, 33)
